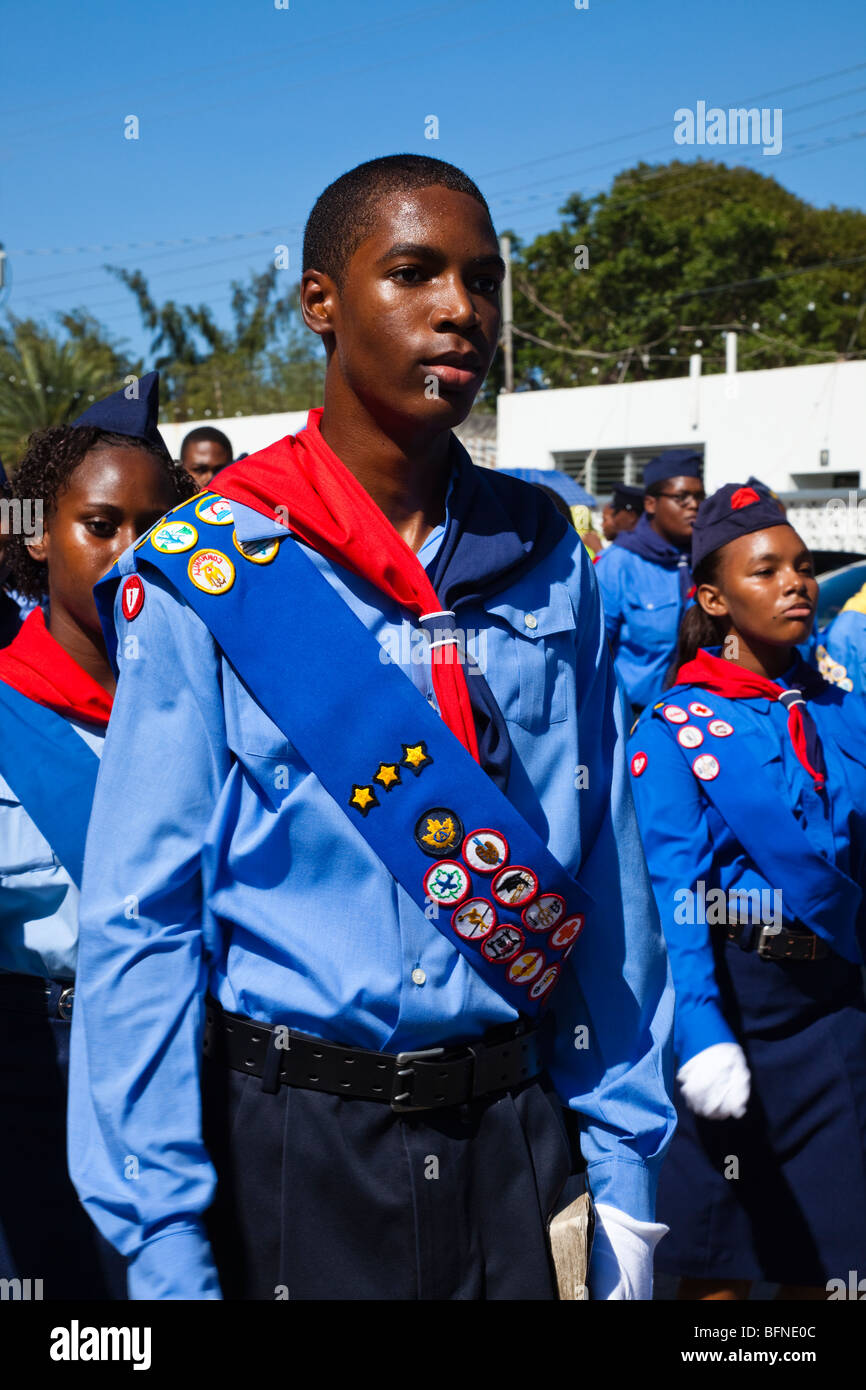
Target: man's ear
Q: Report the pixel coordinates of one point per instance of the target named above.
(709, 596)
(319, 302)
(38, 549)
(649, 505)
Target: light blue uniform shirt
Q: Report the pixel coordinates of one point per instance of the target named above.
(642, 611)
(216, 860)
(38, 900)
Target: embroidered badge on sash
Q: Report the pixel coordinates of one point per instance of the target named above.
(363, 799)
(706, 767)
(474, 920)
(260, 552)
(132, 597)
(702, 711)
(387, 775)
(485, 851)
(416, 757)
(502, 944)
(674, 714)
(438, 831)
(211, 571)
(544, 913)
(720, 728)
(543, 985)
(568, 931)
(514, 885)
(690, 736)
(215, 509)
(638, 764)
(447, 882)
(525, 968)
(173, 537)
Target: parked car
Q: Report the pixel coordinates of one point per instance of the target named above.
(835, 587)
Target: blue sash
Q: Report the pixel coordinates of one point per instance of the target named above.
(402, 778)
(52, 772)
(815, 892)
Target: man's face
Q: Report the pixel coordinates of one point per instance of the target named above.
(114, 495)
(416, 322)
(202, 459)
(673, 513)
(613, 521)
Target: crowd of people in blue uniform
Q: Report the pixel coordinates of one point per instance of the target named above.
(327, 972)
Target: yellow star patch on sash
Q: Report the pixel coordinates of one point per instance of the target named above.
(415, 755)
(363, 798)
(388, 774)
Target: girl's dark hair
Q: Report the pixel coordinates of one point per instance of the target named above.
(52, 456)
(697, 628)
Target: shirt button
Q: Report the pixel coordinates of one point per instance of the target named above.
(419, 976)
(531, 621)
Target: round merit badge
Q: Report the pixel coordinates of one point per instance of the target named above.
(485, 851)
(439, 832)
(216, 510)
(172, 537)
(546, 982)
(702, 711)
(504, 943)
(525, 968)
(514, 885)
(211, 571)
(706, 767)
(474, 920)
(545, 912)
(674, 714)
(690, 736)
(567, 931)
(260, 552)
(132, 597)
(638, 764)
(447, 882)
(721, 728)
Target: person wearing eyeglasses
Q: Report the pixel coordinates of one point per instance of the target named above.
(645, 578)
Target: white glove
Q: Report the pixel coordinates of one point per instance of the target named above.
(716, 1082)
(621, 1261)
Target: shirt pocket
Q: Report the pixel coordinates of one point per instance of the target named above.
(531, 671)
(653, 623)
(257, 743)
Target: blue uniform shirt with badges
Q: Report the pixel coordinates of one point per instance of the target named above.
(691, 849)
(216, 860)
(642, 610)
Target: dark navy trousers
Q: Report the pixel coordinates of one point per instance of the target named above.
(330, 1197)
(45, 1233)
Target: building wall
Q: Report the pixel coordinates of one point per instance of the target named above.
(771, 423)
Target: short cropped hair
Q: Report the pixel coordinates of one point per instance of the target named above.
(344, 215)
(206, 434)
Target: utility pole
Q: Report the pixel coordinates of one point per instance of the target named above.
(507, 336)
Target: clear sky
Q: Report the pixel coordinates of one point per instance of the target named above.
(247, 111)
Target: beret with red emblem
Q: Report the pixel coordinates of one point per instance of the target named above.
(735, 510)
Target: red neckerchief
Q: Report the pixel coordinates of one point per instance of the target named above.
(37, 666)
(301, 482)
(735, 683)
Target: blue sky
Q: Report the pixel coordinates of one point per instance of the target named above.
(247, 111)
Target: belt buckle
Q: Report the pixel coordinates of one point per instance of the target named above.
(766, 937)
(398, 1102)
(64, 1003)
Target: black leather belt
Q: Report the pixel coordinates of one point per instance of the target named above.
(426, 1079)
(786, 944)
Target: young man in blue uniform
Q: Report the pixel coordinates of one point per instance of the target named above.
(644, 577)
(623, 511)
(363, 810)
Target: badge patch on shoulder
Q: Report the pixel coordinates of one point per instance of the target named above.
(447, 882)
(706, 767)
(514, 885)
(474, 920)
(173, 537)
(485, 851)
(216, 510)
(132, 597)
(438, 832)
(638, 764)
(211, 571)
(260, 552)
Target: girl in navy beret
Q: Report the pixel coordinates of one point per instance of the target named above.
(750, 782)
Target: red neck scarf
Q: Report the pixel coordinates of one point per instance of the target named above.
(37, 666)
(735, 683)
(301, 482)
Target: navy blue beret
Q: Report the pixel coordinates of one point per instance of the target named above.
(673, 463)
(624, 495)
(735, 510)
(135, 416)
